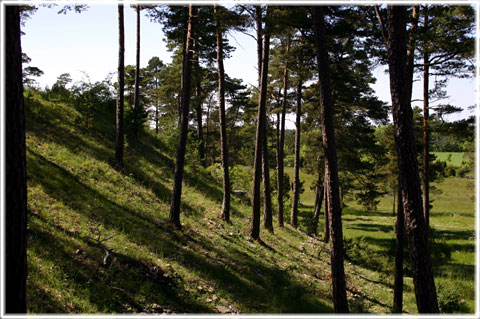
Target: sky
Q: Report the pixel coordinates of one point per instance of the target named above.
(87, 44)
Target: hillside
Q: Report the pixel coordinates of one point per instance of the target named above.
(99, 240)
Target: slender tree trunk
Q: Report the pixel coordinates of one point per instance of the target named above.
(136, 100)
(319, 192)
(223, 125)
(399, 231)
(426, 141)
(410, 182)
(260, 135)
(185, 105)
(15, 169)
(207, 126)
(198, 106)
(334, 209)
(394, 194)
(296, 176)
(267, 197)
(258, 21)
(157, 106)
(119, 133)
(281, 156)
(326, 229)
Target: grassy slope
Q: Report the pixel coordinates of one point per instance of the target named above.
(74, 194)
(370, 241)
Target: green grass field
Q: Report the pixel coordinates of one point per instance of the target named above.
(452, 158)
(79, 206)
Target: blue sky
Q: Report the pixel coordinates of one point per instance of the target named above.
(88, 42)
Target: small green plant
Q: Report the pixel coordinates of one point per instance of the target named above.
(449, 298)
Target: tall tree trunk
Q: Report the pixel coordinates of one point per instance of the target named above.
(15, 168)
(410, 182)
(399, 231)
(400, 224)
(119, 133)
(136, 100)
(157, 106)
(319, 192)
(334, 209)
(426, 142)
(185, 105)
(296, 165)
(223, 125)
(260, 136)
(326, 229)
(198, 106)
(267, 197)
(258, 21)
(281, 145)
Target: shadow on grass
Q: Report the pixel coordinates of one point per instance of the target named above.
(253, 289)
(125, 285)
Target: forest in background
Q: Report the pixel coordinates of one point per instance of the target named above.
(223, 133)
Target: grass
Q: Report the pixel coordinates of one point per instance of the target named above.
(77, 200)
(452, 158)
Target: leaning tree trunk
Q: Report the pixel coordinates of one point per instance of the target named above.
(399, 231)
(416, 229)
(15, 169)
(184, 106)
(331, 169)
(281, 144)
(223, 126)
(296, 175)
(119, 133)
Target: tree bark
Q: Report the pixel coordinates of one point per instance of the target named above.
(426, 141)
(281, 145)
(410, 182)
(260, 136)
(296, 175)
(119, 132)
(331, 168)
(198, 93)
(223, 126)
(184, 106)
(267, 197)
(136, 100)
(15, 169)
(326, 232)
(399, 231)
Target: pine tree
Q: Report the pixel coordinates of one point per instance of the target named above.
(331, 169)
(184, 107)
(15, 169)
(119, 137)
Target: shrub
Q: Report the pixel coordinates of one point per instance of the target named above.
(449, 298)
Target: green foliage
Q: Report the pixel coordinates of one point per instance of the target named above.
(90, 98)
(450, 298)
